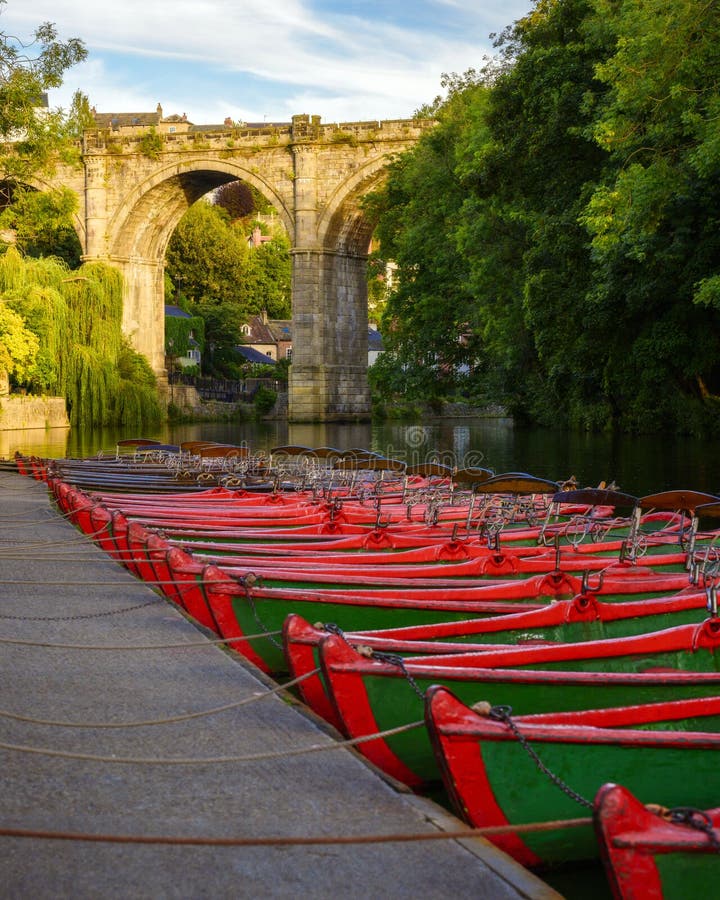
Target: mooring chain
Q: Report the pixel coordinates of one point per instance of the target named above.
(332, 628)
(504, 714)
(248, 582)
(694, 818)
(395, 660)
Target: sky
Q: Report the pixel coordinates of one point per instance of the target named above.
(266, 60)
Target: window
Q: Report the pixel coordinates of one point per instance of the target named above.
(288, 353)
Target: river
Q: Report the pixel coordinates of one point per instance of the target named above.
(638, 465)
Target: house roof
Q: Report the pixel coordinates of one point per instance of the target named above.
(260, 331)
(135, 119)
(176, 312)
(125, 120)
(254, 356)
(281, 329)
(375, 341)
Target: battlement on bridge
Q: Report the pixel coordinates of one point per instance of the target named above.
(302, 129)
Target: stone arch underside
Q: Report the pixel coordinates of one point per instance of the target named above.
(345, 226)
(138, 235)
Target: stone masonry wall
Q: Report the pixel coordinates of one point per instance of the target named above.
(20, 412)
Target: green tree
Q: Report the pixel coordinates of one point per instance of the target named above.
(82, 355)
(31, 135)
(206, 258)
(19, 347)
(218, 277)
(268, 277)
(42, 223)
(565, 208)
(428, 324)
(527, 172)
(654, 217)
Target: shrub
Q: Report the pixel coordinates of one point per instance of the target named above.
(264, 400)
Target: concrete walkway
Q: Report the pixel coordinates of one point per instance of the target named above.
(56, 587)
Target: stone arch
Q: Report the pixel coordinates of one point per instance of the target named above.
(136, 229)
(138, 233)
(314, 176)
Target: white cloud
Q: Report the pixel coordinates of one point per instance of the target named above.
(271, 55)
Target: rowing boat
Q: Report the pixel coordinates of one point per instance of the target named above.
(655, 853)
(583, 618)
(375, 693)
(493, 779)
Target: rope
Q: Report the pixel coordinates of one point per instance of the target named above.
(183, 717)
(31, 545)
(97, 615)
(182, 761)
(272, 841)
(206, 643)
(136, 581)
(51, 514)
(40, 557)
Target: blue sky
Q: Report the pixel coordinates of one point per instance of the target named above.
(266, 60)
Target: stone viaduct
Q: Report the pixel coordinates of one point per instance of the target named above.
(313, 174)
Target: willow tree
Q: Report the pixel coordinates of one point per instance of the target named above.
(83, 355)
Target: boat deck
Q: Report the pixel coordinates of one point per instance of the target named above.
(65, 775)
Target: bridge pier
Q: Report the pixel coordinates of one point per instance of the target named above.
(144, 308)
(328, 376)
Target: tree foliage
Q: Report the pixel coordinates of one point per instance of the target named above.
(220, 278)
(42, 223)
(31, 135)
(566, 209)
(430, 309)
(19, 347)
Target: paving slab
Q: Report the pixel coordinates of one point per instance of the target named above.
(56, 587)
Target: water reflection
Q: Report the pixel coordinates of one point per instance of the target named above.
(639, 465)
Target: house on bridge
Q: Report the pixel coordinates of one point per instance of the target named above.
(137, 122)
(134, 123)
